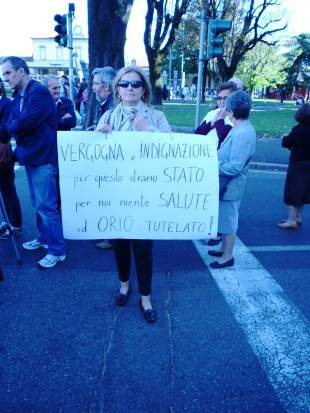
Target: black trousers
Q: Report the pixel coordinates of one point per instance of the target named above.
(11, 201)
(143, 254)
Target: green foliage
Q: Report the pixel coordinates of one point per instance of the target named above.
(186, 41)
(262, 67)
(254, 23)
(298, 60)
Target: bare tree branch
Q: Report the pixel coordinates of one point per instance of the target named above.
(164, 35)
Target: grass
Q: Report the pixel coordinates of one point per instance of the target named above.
(269, 117)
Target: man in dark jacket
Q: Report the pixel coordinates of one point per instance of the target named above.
(7, 175)
(103, 87)
(33, 124)
(66, 119)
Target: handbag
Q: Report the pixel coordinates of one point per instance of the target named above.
(6, 156)
(223, 183)
(225, 179)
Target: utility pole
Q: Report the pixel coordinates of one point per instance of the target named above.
(170, 68)
(70, 47)
(202, 59)
(182, 70)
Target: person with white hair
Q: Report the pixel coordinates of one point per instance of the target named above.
(103, 88)
(238, 82)
(66, 118)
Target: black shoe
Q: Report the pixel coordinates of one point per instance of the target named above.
(215, 253)
(149, 315)
(12, 232)
(225, 264)
(122, 299)
(213, 242)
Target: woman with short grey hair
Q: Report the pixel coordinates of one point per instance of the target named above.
(234, 156)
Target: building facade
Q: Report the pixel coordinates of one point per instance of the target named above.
(50, 58)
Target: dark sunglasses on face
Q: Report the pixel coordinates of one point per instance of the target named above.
(221, 97)
(134, 83)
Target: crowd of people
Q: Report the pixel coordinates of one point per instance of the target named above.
(32, 118)
(37, 111)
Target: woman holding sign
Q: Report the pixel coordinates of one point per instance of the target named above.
(132, 93)
(234, 156)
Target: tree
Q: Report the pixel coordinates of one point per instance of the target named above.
(254, 22)
(161, 21)
(298, 61)
(107, 23)
(262, 67)
(187, 38)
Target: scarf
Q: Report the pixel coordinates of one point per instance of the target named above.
(122, 116)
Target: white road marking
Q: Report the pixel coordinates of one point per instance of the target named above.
(276, 330)
(278, 248)
(267, 171)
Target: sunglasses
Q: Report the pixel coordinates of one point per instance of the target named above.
(134, 83)
(221, 97)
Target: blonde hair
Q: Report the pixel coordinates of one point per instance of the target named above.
(147, 96)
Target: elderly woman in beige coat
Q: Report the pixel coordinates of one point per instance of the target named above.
(132, 94)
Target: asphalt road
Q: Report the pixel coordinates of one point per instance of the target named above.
(223, 343)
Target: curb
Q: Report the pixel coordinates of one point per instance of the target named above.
(182, 129)
(264, 166)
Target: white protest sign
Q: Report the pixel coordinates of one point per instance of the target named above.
(138, 185)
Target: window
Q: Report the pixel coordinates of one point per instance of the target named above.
(78, 51)
(59, 53)
(42, 52)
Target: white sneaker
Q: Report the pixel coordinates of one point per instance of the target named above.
(34, 245)
(50, 260)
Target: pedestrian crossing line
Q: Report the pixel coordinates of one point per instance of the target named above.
(278, 248)
(268, 171)
(267, 168)
(277, 332)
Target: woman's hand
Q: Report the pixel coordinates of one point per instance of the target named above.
(105, 128)
(140, 123)
(220, 114)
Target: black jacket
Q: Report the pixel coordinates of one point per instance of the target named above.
(35, 127)
(64, 105)
(5, 109)
(298, 141)
(106, 105)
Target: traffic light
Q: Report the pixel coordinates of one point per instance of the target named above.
(215, 42)
(61, 29)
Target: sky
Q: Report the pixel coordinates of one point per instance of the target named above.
(34, 18)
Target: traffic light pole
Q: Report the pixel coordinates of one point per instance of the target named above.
(70, 49)
(202, 59)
